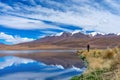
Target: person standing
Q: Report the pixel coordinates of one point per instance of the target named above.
(88, 47)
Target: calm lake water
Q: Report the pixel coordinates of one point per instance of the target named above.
(16, 68)
(32, 51)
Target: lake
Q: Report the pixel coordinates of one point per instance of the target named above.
(19, 68)
(33, 51)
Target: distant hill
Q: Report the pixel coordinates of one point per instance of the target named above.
(75, 40)
(2, 44)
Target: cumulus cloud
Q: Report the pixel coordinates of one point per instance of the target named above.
(14, 39)
(95, 15)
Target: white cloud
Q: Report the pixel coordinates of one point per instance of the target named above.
(14, 39)
(82, 13)
(95, 20)
(22, 23)
(5, 7)
(25, 24)
(113, 3)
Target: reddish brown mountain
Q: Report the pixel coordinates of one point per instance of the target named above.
(71, 41)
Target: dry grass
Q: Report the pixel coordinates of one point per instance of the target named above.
(107, 61)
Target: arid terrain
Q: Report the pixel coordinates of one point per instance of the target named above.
(68, 41)
(102, 64)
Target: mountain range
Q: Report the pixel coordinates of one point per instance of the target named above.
(67, 40)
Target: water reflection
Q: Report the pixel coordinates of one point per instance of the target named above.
(33, 51)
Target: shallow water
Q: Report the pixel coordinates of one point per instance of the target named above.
(32, 51)
(15, 68)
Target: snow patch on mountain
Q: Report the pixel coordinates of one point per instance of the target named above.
(96, 33)
(118, 34)
(76, 31)
(79, 31)
(59, 34)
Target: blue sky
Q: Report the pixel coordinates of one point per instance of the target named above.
(27, 20)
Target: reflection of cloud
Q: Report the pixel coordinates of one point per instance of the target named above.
(10, 61)
(91, 15)
(30, 76)
(14, 39)
(48, 74)
(39, 71)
